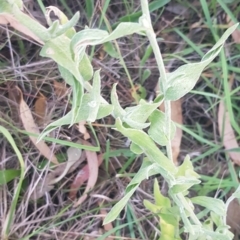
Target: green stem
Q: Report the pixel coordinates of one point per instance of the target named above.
(146, 21)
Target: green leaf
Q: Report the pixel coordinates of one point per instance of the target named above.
(213, 204)
(183, 80)
(157, 130)
(96, 36)
(85, 68)
(112, 215)
(160, 200)
(185, 177)
(146, 74)
(118, 111)
(59, 50)
(95, 94)
(135, 149)
(140, 138)
(63, 25)
(110, 50)
(104, 110)
(147, 169)
(8, 175)
(136, 116)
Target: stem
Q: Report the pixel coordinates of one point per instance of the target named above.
(163, 83)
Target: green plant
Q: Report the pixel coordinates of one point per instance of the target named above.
(68, 49)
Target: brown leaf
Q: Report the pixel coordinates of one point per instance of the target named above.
(60, 88)
(6, 18)
(40, 109)
(31, 127)
(236, 33)
(176, 116)
(92, 160)
(82, 176)
(226, 131)
(233, 217)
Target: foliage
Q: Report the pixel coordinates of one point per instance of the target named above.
(68, 49)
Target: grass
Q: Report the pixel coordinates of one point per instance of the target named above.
(52, 216)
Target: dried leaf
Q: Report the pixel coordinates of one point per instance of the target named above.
(233, 217)
(226, 131)
(6, 18)
(75, 158)
(40, 109)
(236, 33)
(176, 116)
(31, 127)
(93, 173)
(82, 176)
(82, 129)
(60, 89)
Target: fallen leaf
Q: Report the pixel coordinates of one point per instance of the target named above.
(81, 177)
(236, 33)
(233, 217)
(60, 89)
(31, 127)
(75, 157)
(92, 161)
(40, 109)
(226, 131)
(6, 18)
(82, 129)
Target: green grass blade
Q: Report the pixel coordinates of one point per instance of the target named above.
(9, 219)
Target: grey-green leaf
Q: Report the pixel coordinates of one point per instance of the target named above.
(181, 81)
(157, 130)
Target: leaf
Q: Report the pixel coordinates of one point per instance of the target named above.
(85, 68)
(109, 48)
(233, 217)
(92, 160)
(30, 126)
(60, 89)
(147, 169)
(6, 18)
(96, 36)
(212, 204)
(236, 33)
(8, 175)
(74, 158)
(95, 98)
(40, 108)
(65, 26)
(81, 177)
(118, 111)
(183, 80)
(140, 138)
(226, 131)
(160, 200)
(136, 116)
(185, 177)
(157, 130)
